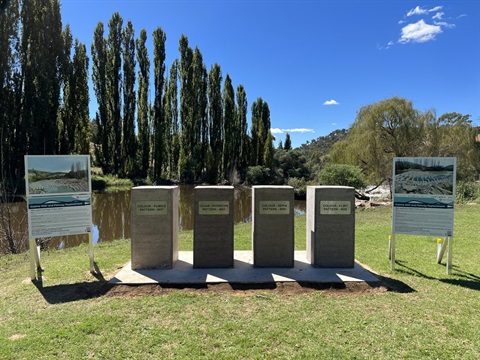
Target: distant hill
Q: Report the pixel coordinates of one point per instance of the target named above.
(323, 144)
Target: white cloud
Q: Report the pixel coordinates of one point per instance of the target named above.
(419, 32)
(438, 16)
(417, 11)
(421, 11)
(331, 102)
(294, 130)
(445, 24)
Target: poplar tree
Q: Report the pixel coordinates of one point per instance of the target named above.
(81, 110)
(129, 101)
(67, 123)
(241, 126)
(142, 107)
(114, 87)
(230, 148)
(215, 119)
(159, 39)
(99, 79)
(186, 167)
(172, 136)
(200, 116)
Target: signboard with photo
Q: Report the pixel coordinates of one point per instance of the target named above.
(424, 196)
(57, 175)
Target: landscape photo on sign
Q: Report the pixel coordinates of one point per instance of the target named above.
(57, 174)
(424, 176)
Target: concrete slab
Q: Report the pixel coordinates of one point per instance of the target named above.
(243, 273)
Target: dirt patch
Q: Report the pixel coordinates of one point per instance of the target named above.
(281, 288)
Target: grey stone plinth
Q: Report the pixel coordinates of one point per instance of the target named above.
(331, 226)
(273, 226)
(154, 215)
(213, 227)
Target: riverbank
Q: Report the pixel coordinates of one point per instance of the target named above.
(420, 312)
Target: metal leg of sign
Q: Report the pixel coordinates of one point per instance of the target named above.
(389, 247)
(449, 255)
(33, 266)
(34, 251)
(392, 252)
(90, 252)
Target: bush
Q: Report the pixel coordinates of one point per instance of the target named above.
(299, 186)
(467, 191)
(342, 174)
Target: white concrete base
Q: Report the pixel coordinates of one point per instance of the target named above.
(242, 272)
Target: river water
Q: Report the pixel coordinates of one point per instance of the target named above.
(111, 215)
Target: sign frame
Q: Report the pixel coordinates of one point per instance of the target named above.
(58, 190)
(423, 199)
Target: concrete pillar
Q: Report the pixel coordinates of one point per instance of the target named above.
(154, 221)
(331, 226)
(213, 227)
(273, 226)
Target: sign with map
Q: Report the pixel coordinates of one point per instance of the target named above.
(423, 195)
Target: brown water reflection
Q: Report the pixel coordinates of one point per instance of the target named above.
(111, 215)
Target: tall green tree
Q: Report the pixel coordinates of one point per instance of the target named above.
(172, 136)
(143, 107)
(114, 87)
(82, 99)
(241, 132)
(11, 151)
(159, 158)
(187, 111)
(129, 102)
(260, 130)
(99, 79)
(288, 143)
(200, 116)
(67, 111)
(215, 119)
(230, 139)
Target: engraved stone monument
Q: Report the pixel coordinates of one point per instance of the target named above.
(331, 226)
(273, 226)
(154, 216)
(213, 227)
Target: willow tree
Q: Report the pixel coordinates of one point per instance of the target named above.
(381, 131)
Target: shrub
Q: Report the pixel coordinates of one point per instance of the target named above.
(342, 174)
(467, 191)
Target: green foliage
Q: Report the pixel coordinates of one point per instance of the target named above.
(258, 175)
(299, 186)
(467, 192)
(292, 163)
(342, 174)
(107, 183)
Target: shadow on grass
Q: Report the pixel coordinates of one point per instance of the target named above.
(59, 294)
(464, 279)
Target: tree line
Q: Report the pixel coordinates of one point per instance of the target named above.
(183, 122)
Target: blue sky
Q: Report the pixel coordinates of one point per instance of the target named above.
(317, 62)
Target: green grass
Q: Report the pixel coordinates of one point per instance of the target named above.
(427, 314)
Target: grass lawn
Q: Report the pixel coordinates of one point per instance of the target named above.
(425, 314)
